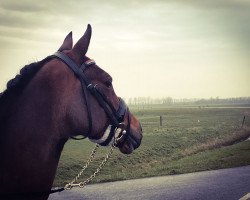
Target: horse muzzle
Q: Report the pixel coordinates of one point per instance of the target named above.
(129, 140)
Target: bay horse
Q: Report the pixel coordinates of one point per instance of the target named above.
(59, 97)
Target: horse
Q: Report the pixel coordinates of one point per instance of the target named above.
(60, 97)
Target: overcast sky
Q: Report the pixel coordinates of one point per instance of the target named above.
(182, 49)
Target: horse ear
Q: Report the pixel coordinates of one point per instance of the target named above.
(81, 47)
(67, 43)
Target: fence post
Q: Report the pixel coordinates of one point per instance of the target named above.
(160, 120)
(243, 121)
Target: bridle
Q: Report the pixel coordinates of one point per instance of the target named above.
(117, 117)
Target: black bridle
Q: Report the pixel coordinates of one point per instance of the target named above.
(116, 116)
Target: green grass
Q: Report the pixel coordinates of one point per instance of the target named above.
(225, 157)
(183, 144)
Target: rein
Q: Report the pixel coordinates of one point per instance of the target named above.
(82, 184)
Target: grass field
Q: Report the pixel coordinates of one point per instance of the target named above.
(188, 141)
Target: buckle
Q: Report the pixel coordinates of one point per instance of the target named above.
(120, 133)
(121, 137)
(121, 126)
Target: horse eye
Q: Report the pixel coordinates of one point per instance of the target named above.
(108, 84)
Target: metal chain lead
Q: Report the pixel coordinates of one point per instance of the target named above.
(90, 159)
(99, 168)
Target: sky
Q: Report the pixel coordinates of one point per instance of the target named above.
(176, 48)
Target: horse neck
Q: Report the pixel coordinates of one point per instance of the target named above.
(32, 140)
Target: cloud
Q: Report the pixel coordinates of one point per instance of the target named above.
(154, 37)
(215, 4)
(227, 20)
(186, 18)
(22, 6)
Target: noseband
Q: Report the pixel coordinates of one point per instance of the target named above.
(116, 117)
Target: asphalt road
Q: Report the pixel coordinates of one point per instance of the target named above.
(221, 184)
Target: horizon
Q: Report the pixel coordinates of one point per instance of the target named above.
(182, 49)
(187, 99)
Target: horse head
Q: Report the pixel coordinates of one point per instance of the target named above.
(92, 107)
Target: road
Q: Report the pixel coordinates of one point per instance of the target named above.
(220, 184)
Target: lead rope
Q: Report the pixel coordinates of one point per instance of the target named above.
(99, 168)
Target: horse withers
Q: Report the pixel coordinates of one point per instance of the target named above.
(52, 100)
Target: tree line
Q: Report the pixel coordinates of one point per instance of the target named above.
(171, 101)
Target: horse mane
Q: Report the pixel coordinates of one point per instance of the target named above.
(16, 85)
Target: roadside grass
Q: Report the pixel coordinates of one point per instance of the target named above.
(226, 157)
(186, 142)
(231, 139)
